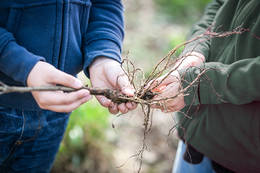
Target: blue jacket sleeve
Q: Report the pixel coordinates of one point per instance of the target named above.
(15, 61)
(105, 32)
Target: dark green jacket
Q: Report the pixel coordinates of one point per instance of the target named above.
(225, 105)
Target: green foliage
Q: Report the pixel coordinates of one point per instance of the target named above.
(92, 115)
(176, 40)
(90, 118)
(85, 147)
(182, 11)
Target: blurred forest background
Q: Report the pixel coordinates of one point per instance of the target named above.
(91, 145)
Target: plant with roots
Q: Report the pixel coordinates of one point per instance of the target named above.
(146, 87)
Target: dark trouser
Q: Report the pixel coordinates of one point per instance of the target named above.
(29, 140)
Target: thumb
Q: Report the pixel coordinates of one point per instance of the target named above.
(164, 80)
(125, 86)
(168, 79)
(59, 77)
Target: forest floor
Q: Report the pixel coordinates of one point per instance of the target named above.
(161, 147)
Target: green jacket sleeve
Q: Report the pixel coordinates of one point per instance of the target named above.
(201, 27)
(236, 83)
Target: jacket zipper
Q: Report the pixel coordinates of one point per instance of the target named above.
(61, 39)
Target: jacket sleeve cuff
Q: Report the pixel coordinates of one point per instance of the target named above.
(191, 91)
(17, 62)
(105, 47)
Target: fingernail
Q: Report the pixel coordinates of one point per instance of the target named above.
(104, 101)
(124, 111)
(133, 105)
(78, 83)
(129, 105)
(86, 93)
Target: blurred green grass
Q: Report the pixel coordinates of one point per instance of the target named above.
(90, 118)
(182, 11)
(85, 147)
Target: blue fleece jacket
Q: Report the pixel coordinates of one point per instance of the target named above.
(68, 34)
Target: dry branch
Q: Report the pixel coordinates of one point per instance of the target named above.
(115, 95)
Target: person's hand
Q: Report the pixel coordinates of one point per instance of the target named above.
(189, 60)
(44, 74)
(169, 98)
(171, 86)
(107, 73)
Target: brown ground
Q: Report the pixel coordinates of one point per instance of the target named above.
(127, 136)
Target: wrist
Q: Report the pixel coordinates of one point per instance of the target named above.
(100, 61)
(35, 71)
